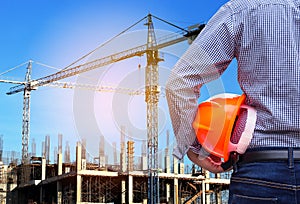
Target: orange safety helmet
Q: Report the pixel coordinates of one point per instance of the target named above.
(215, 121)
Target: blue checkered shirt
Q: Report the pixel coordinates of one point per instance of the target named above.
(264, 37)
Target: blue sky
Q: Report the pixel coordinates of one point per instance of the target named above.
(56, 33)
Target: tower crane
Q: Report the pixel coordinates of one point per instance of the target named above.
(68, 85)
(152, 90)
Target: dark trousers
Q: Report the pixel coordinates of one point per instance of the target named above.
(266, 182)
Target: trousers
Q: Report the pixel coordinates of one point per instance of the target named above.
(266, 182)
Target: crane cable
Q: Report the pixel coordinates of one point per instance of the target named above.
(48, 66)
(171, 24)
(102, 45)
(11, 69)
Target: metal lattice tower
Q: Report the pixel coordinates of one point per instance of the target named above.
(26, 114)
(152, 96)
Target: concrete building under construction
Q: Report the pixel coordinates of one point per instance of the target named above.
(99, 182)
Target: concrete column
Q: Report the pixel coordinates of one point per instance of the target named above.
(144, 162)
(168, 192)
(175, 171)
(203, 199)
(167, 164)
(123, 162)
(83, 164)
(130, 189)
(175, 165)
(43, 178)
(78, 189)
(78, 168)
(219, 194)
(43, 169)
(102, 161)
(58, 184)
(78, 156)
(176, 200)
(123, 192)
(59, 164)
(181, 167)
(59, 192)
(219, 197)
(207, 176)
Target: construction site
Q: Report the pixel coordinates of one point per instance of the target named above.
(98, 182)
(129, 179)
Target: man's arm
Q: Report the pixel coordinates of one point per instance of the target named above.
(205, 60)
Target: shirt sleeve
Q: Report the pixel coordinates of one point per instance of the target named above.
(205, 60)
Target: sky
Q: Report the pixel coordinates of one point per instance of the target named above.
(56, 33)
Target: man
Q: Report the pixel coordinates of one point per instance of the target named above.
(264, 37)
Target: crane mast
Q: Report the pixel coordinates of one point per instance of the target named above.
(26, 114)
(152, 97)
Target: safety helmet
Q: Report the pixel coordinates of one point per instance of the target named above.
(215, 121)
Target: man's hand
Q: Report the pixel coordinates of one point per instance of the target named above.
(210, 163)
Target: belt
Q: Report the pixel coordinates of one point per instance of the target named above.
(269, 155)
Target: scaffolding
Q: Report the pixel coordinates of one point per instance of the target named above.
(85, 182)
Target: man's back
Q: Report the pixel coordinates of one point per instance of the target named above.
(263, 35)
(267, 40)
